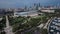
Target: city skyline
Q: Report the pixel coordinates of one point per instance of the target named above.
(22, 3)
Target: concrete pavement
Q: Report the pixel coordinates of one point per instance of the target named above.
(8, 28)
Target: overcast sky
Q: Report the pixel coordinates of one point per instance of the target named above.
(22, 3)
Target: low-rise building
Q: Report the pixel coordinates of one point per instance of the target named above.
(26, 13)
(47, 10)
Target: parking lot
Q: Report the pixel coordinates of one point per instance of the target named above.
(54, 27)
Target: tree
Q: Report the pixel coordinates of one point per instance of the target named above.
(34, 21)
(57, 12)
(2, 25)
(44, 31)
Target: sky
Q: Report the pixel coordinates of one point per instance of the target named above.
(22, 3)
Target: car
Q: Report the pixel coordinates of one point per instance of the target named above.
(57, 32)
(53, 22)
(58, 20)
(51, 30)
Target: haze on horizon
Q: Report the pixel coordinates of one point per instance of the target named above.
(22, 3)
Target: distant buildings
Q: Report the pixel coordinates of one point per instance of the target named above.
(6, 12)
(28, 10)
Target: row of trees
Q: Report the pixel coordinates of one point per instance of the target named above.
(2, 25)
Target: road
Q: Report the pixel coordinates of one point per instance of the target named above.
(8, 28)
(45, 27)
